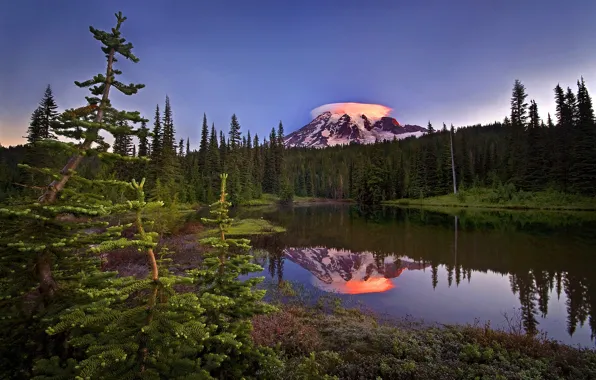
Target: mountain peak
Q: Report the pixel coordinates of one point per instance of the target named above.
(344, 123)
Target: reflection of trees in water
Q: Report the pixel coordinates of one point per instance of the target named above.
(577, 302)
(536, 262)
(524, 285)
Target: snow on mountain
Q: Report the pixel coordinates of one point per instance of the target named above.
(344, 123)
(344, 271)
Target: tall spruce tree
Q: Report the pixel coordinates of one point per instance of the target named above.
(518, 151)
(535, 176)
(235, 134)
(43, 118)
(204, 144)
(519, 107)
(213, 166)
(169, 133)
(40, 130)
(157, 138)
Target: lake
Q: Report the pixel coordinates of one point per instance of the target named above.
(457, 267)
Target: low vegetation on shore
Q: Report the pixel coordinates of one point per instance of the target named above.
(504, 197)
(328, 341)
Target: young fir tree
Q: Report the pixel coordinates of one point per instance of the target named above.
(232, 303)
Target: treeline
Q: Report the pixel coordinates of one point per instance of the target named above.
(522, 151)
(175, 173)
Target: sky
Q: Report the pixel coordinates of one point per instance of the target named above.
(443, 61)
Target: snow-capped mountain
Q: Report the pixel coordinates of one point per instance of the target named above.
(344, 271)
(338, 127)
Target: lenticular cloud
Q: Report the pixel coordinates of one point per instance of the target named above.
(372, 111)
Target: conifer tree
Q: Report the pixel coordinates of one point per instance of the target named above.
(213, 165)
(518, 151)
(257, 168)
(535, 176)
(560, 168)
(549, 122)
(168, 165)
(533, 114)
(203, 146)
(169, 133)
(583, 169)
(34, 130)
(42, 118)
(235, 133)
(181, 148)
(223, 151)
(122, 141)
(41, 243)
(518, 105)
(157, 139)
(40, 129)
(430, 127)
(143, 136)
(233, 302)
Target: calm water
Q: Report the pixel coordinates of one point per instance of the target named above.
(445, 268)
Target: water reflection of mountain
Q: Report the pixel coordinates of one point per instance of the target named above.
(344, 271)
(547, 261)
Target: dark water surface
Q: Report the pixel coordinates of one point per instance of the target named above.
(445, 268)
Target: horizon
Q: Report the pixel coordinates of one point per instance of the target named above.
(441, 63)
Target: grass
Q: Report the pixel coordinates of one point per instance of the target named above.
(247, 227)
(505, 197)
(332, 342)
(272, 199)
(265, 200)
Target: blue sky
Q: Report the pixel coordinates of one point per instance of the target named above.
(452, 61)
